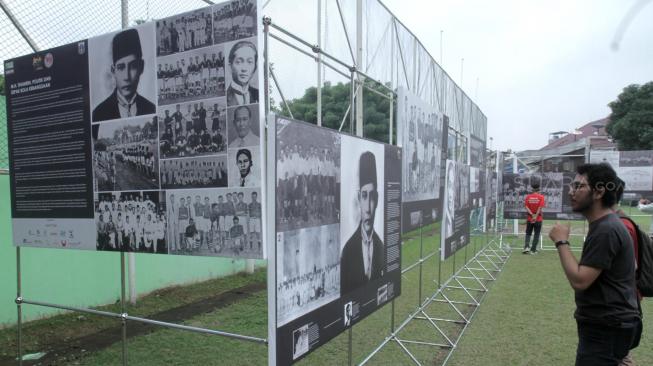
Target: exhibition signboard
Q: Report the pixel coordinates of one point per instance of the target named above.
(457, 204)
(146, 139)
(635, 168)
(553, 186)
(337, 253)
(422, 133)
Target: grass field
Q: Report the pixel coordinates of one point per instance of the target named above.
(526, 319)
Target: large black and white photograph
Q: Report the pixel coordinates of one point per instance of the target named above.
(204, 172)
(184, 32)
(243, 127)
(234, 20)
(122, 74)
(131, 221)
(637, 178)
(308, 270)
(605, 156)
(456, 220)
(636, 158)
(308, 176)
(476, 151)
(244, 167)
(241, 72)
(193, 128)
(553, 186)
(421, 137)
(126, 155)
(191, 75)
(223, 222)
(362, 213)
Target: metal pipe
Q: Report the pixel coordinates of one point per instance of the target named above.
(307, 54)
(285, 102)
(123, 308)
(352, 98)
(19, 309)
(344, 27)
(19, 27)
(319, 64)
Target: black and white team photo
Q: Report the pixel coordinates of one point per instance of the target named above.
(205, 172)
(193, 128)
(308, 176)
(122, 77)
(215, 222)
(234, 20)
(308, 270)
(191, 75)
(184, 32)
(126, 155)
(131, 221)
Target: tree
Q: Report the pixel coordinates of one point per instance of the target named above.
(335, 101)
(631, 121)
(2, 85)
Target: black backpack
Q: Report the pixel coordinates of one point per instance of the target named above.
(644, 274)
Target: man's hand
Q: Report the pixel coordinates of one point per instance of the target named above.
(534, 217)
(559, 232)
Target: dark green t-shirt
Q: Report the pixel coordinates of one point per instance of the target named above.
(611, 299)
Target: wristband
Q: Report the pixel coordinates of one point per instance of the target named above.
(561, 242)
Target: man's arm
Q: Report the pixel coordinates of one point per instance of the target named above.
(580, 277)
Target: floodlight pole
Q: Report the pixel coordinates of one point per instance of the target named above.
(359, 65)
(319, 64)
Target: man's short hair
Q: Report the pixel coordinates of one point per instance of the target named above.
(601, 176)
(249, 113)
(367, 169)
(619, 192)
(126, 43)
(535, 185)
(239, 45)
(246, 152)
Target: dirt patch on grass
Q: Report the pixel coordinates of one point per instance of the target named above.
(66, 350)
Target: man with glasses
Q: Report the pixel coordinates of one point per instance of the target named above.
(126, 69)
(607, 314)
(363, 256)
(534, 204)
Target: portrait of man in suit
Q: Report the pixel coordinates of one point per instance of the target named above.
(363, 256)
(126, 69)
(242, 62)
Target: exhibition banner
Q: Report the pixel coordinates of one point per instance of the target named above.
(143, 140)
(338, 235)
(457, 204)
(635, 168)
(553, 186)
(491, 198)
(422, 133)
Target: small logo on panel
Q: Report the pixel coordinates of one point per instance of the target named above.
(81, 47)
(49, 59)
(37, 62)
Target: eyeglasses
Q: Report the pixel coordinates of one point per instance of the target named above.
(574, 186)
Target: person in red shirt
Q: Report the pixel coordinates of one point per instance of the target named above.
(534, 204)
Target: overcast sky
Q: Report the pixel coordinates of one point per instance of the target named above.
(542, 66)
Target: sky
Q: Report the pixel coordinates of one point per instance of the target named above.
(542, 66)
(532, 66)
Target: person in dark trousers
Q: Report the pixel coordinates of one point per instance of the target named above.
(607, 314)
(534, 204)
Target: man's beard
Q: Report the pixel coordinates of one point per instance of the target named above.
(583, 205)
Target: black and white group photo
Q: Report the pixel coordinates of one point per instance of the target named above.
(422, 143)
(215, 222)
(308, 176)
(362, 217)
(184, 32)
(126, 155)
(205, 172)
(193, 128)
(518, 186)
(234, 20)
(191, 75)
(122, 74)
(131, 221)
(308, 270)
(244, 167)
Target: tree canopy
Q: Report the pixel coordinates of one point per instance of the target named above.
(335, 101)
(631, 121)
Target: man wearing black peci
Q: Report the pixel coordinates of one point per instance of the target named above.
(363, 257)
(127, 68)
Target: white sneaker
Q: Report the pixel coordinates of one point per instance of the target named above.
(526, 251)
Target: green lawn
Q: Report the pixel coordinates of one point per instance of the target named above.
(526, 319)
